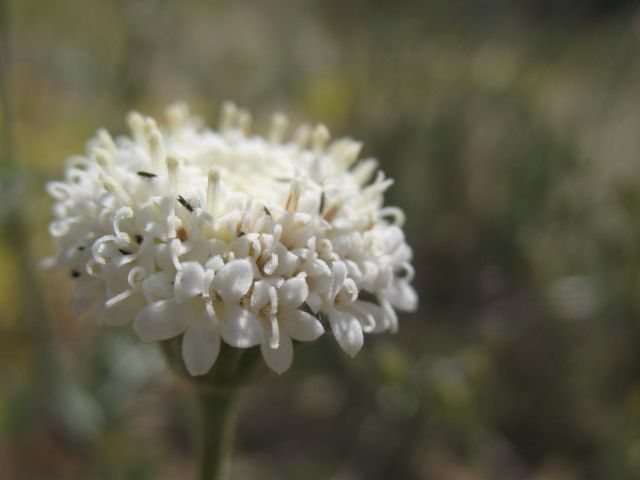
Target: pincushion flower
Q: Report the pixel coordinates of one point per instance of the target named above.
(224, 236)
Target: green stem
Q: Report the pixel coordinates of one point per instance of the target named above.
(219, 412)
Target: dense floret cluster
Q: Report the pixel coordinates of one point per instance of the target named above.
(221, 235)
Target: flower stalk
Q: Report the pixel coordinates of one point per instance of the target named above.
(218, 422)
(217, 394)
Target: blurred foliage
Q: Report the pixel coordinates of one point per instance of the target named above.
(511, 129)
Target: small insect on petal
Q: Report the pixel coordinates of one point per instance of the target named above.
(185, 203)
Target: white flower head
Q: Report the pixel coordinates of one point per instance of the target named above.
(221, 235)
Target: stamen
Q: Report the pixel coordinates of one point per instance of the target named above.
(122, 214)
(279, 123)
(331, 212)
(294, 196)
(106, 141)
(366, 318)
(397, 215)
(104, 159)
(136, 125)
(156, 149)
(213, 187)
(274, 341)
(244, 122)
(378, 187)
(177, 115)
(211, 313)
(302, 136)
(174, 250)
(172, 172)
(136, 277)
(391, 313)
(409, 272)
(228, 116)
(351, 152)
(363, 171)
(320, 138)
(115, 189)
(119, 298)
(97, 250)
(150, 125)
(93, 267)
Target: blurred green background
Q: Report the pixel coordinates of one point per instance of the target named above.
(513, 132)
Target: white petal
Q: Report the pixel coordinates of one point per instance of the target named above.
(339, 274)
(381, 319)
(123, 312)
(392, 316)
(318, 268)
(278, 359)
(158, 286)
(189, 281)
(314, 301)
(347, 330)
(293, 292)
(240, 247)
(402, 296)
(260, 295)
(287, 262)
(162, 320)
(240, 328)
(233, 280)
(302, 326)
(200, 346)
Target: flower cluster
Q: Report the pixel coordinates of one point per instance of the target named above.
(224, 235)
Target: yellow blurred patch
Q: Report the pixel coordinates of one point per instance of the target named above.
(328, 97)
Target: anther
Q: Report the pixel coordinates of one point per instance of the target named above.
(228, 115)
(279, 123)
(106, 141)
(274, 341)
(156, 149)
(244, 121)
(103, 159)
(172, 172)
(351, 152)
(213, 187)
(177, 114)
(293, 199)
(136, 124)
(320, 138)
(115, 189)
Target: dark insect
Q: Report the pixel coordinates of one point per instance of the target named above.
(139, 239)
(81, 248)
(75, 273)
(323, 201)
(241, 234)
(266, 210)
(124, 252)
(184, 203)
(147, 174)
